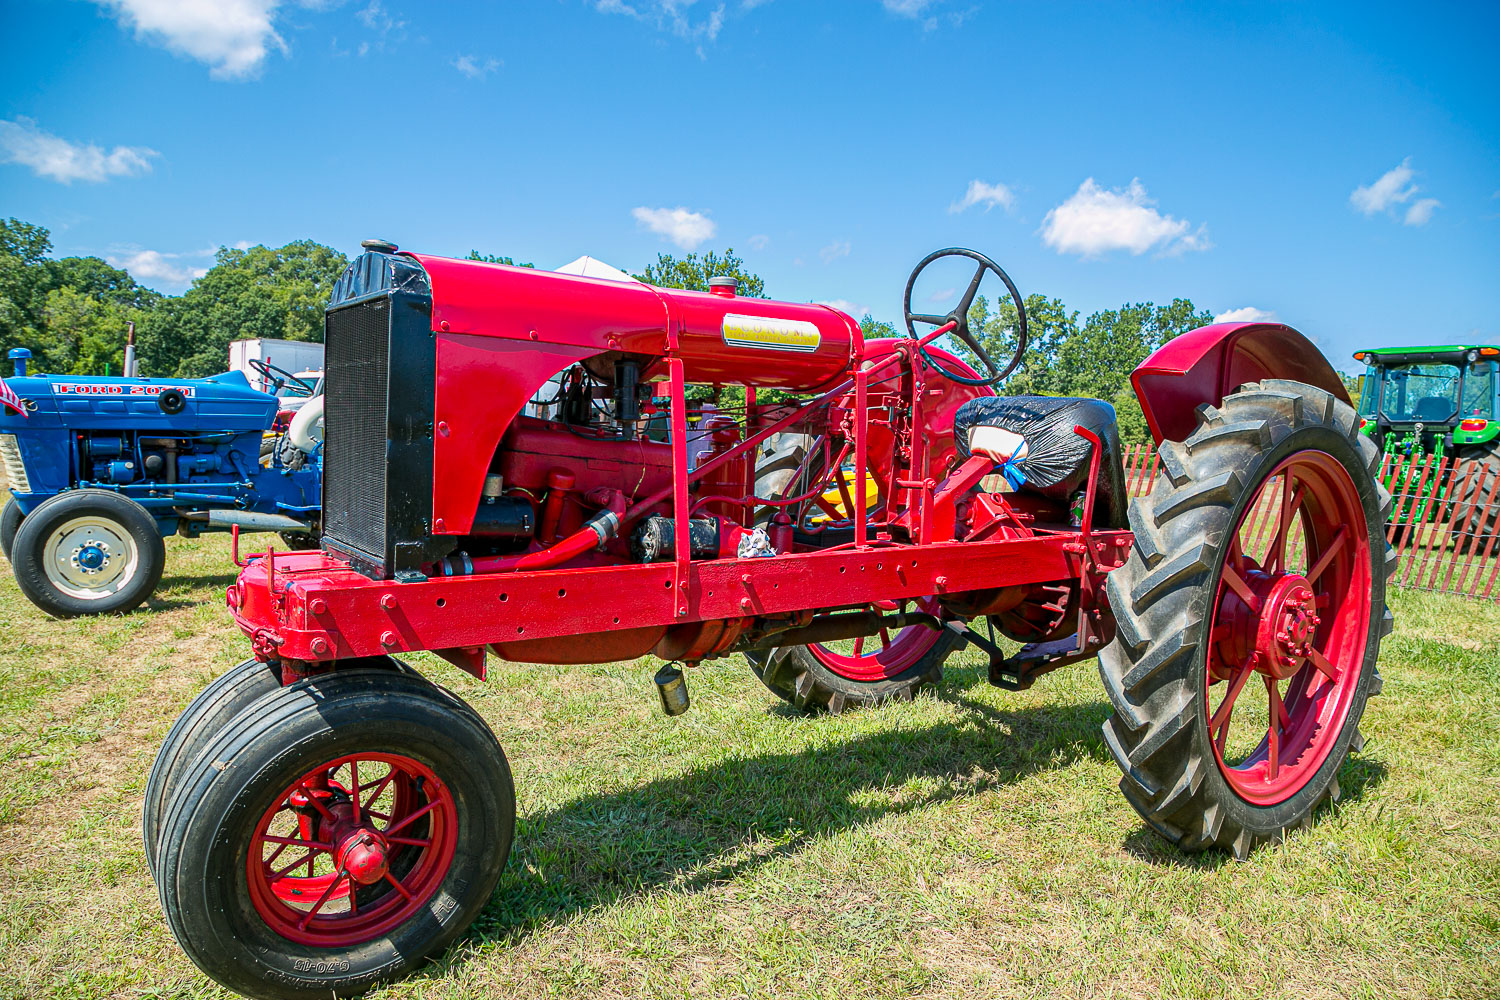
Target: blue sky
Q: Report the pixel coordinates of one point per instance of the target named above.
(1336, 165)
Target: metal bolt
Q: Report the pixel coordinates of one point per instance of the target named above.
(388, 601)
(387, 638)
(745, 603)
(941, 582)
(318, 606)
(319, 646)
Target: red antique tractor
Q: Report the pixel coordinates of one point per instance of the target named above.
(512, 467)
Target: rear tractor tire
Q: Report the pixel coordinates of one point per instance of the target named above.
(1249, 618)
(337, 833)
(1474, 522)
(10, 523)
(834, 677)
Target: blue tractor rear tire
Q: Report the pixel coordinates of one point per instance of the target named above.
(10, 523)
(88, 552)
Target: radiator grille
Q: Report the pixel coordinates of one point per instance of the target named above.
(357, 371)
(15, 469)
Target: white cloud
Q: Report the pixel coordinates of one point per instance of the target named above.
(759, 241)
(844, 305)
(684, 228)
(21, 141)
(942, 295)
(231, 37)
(153, 265)
(1393, 188)
(1095, 221)
(1247, 314)
(676, 16)
(1420, 212)
(988, 195)
(474, 67)
(906, 8)
(835, 250)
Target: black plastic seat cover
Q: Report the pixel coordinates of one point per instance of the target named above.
(1058, 463)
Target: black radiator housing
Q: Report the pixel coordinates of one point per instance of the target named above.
(380, 360)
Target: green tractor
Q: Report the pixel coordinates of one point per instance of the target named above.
(1443, 402)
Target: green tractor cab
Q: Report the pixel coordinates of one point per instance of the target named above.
(1442, 402)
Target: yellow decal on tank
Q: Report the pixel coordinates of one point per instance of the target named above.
(773, 334)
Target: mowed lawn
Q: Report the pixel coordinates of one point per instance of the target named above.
(969, 844)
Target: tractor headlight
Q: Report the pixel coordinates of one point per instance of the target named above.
(10, 460)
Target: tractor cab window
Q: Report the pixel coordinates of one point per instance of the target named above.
(1421, 392)
(1369, 390)
(1479, 391)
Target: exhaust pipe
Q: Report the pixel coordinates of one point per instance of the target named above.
(249, 520)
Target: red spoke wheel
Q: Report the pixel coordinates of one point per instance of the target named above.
(1249, 617)
(335, 834)
(834, 676)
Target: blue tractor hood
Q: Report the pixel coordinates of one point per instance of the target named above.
(224, 402)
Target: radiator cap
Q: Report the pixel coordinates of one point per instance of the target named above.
(379, 246)
(725, 284)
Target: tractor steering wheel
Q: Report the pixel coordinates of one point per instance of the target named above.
(959, 317)
(280, 377)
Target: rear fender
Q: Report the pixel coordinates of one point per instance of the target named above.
(1209, 363)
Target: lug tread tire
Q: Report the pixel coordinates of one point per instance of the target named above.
(210, 816)
(1483, 524)
(1161, 599)
(795, 675)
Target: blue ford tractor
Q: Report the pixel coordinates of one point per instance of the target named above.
(100, 469)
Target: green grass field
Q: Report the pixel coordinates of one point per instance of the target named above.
(969, 844)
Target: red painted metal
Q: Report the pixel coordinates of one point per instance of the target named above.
(893, 654)
(1275, 622)
(343, 857)
(1206, 364)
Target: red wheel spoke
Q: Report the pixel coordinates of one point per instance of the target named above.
(312, 800)
(399, 887)
(885, 639)
(354, 785)
(1321, 662)
(316, 845)
(1221, 717)
(859, 645)
(322, 899)
(1273, 731)
(1290, 500)
(379, 787)
(1328, 554)
(413, 817)
(274, 855)
(1240, 587)
(409, 841)
(305, 859)
(376, 815)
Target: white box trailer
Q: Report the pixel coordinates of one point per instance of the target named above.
(294, 356)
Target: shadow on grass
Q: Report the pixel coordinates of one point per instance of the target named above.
(720, 822)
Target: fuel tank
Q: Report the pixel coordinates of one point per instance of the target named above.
(721, 336)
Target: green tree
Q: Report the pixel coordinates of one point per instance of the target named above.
(490, 258)
(251, 293)
(83, 334)
(693, 272)
(874, 328)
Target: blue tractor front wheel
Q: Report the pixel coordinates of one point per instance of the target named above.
(87, 552)
(10, 523)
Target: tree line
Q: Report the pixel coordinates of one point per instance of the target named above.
(72, 313)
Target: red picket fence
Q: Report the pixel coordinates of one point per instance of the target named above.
(1444, 526)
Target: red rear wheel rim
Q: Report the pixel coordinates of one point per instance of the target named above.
(352, 849)
(881, 657)
(1289, 628)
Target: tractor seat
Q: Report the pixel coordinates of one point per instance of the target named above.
(1054, 459)
(1433, 408)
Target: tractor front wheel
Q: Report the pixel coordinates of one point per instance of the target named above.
(88, 552)
(838, 675)
(1476, 515)
(337, 833)
(1249, 617)
(201, 723)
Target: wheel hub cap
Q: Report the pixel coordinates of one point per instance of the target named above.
(91, 558)
(1288, 622)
